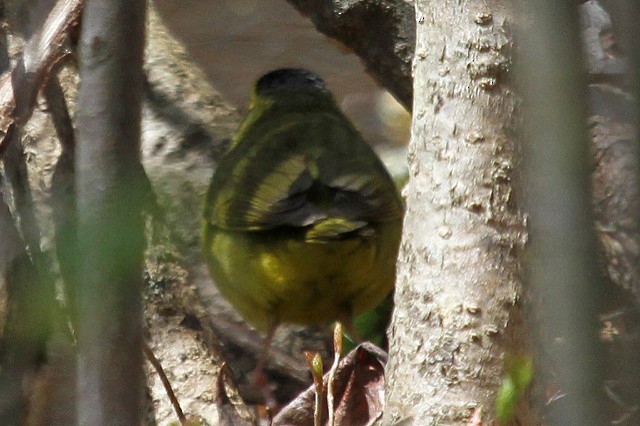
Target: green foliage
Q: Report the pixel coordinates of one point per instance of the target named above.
(519, 373)
(371, 325)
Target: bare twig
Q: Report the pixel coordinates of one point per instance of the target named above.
(337, 351)
(165, 382)
(315, 365)
(27, 323)
(10, 244)
(4, 43)
(57, 107)
(63, 192)
(15, 168)
(19, 88)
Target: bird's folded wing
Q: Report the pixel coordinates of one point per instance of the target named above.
(288, 197)
(335, 228)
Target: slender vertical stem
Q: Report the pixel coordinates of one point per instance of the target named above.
(110, 222)
(564, 277)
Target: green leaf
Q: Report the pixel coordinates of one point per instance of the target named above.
(519, 373)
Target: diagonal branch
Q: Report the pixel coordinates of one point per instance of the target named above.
(380, 32)
(20, 87)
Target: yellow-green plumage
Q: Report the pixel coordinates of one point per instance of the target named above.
(302, 222)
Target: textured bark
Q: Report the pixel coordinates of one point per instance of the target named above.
(612, 124)
(458, 280)
(380, 32)
(615, 178)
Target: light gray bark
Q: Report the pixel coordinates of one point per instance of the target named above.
(458, 282)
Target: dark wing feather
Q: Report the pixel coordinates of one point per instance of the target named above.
(304, 187)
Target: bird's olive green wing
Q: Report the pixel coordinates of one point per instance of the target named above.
(307, 170)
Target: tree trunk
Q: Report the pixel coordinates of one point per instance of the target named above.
(458, 285)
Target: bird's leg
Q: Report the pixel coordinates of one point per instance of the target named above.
(260, 380)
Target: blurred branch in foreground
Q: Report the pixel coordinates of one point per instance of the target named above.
(109, 208)
(564, 278)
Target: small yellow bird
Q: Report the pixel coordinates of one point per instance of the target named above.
(302, 222)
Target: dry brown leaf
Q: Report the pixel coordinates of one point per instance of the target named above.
(359, 392)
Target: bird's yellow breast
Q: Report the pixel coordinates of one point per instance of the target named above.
(285, 279)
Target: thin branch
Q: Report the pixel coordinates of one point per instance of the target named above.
(11, 244)
(4, 42)
(57, 107)
(109, 210)
(165, 382)
(15, 168)
(27, 323)
(565, 280)
(63, 194)
(19, 89)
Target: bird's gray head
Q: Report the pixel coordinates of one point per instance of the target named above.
(290, 80)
